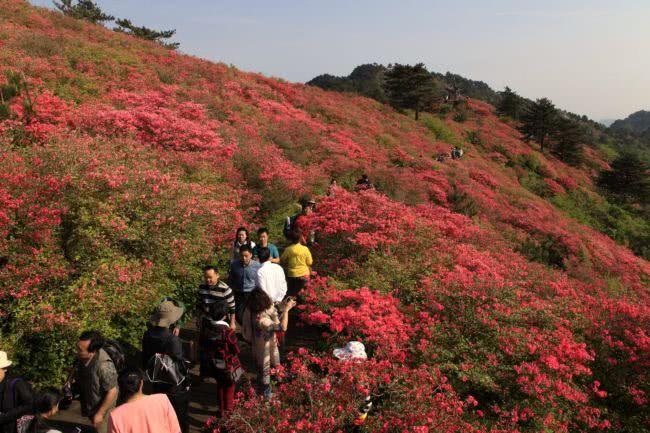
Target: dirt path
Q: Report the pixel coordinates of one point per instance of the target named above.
(203, 395)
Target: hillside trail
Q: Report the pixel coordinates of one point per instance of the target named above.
(203, 397)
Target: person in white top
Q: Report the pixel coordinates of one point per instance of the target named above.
(270, 277)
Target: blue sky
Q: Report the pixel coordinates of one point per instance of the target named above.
(590, 57)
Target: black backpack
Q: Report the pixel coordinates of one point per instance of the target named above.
(116, 353)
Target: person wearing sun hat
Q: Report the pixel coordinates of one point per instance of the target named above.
(16, 398)
(160, 338)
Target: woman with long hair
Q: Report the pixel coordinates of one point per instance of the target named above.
(259, 325)
(140, 413)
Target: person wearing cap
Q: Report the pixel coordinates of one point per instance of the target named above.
(16, 398)
(297, 221)
(160, 338)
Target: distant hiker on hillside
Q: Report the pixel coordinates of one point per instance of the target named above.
(263, 237)
(241, 239)
(96, 377)
(213, 292)
(16, 399)
(333, 185)
(46, 405)
(219, 345)
(140, 413)
(297, 261)
(308, 206)
(364, 183)
(164, 361)
(242, 276)
(260, 323)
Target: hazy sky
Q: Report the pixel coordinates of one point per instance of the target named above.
(589, 57)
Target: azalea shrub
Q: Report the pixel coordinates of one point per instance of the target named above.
(490, 294)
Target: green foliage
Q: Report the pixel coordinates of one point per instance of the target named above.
(539, 121)
(461, 202)
(510, 104)
(628, 181)
(84, 10)
(569, 138)
(544, 249)
(440, 129)
(625, 226)
(38, 45)
(126, 26)
(409, 87)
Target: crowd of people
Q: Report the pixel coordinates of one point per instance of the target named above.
(251, 305)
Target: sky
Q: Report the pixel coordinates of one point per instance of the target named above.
(588, 57)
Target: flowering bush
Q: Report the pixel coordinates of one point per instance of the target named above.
(484, 306)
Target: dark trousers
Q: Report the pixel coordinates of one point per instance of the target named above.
(180, 400)
(295, 285)
(241, 298)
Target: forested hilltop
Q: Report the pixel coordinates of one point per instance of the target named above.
(503, 291)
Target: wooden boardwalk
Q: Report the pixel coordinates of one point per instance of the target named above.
(203, 395)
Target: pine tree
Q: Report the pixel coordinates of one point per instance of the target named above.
(568, 141)
(510, 104)
(409, 87)
(126, 26)
(539, 121)
(628, 180)
(84, 10)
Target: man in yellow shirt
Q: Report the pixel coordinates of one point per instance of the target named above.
(297, 261)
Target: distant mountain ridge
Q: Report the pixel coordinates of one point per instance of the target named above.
(638, 123)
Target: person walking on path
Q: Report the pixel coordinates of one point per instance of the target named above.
(243, 273)
(270, 277)
(219, 344)
(96, 378)
(260, 323)
(16, 398)
(300, 220)
(263, 237)
(241, 239)
(141, 413)
(213, 291)
(297, 261)
(160, 338)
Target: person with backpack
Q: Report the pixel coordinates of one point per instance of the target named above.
(260, 323)
(163, 359)
(96, 378)
(298, 221)
(241, 239)
(46, 405)
(263, 236)
(297, 261)
(219, 344)
(16, 398)
(140, 413)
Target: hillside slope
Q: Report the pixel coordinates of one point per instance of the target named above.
(125, 167)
